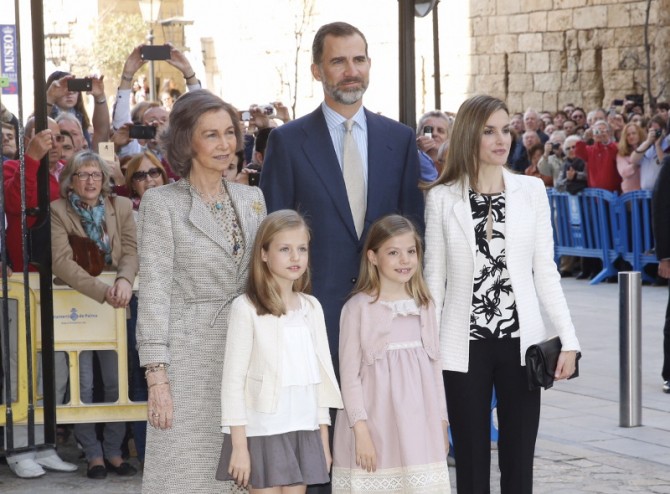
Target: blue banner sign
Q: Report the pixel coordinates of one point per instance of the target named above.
(8, 59)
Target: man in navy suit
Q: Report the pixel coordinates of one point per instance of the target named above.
(303, 168)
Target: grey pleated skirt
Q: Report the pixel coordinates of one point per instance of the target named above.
(292, 458)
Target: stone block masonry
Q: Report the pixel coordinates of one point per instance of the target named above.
(547, 53)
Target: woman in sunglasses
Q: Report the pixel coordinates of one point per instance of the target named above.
(86, 209)
(144, 171)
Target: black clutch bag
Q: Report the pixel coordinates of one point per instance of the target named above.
(541, 360)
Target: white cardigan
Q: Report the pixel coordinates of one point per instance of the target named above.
(252, 363)
(529, 249)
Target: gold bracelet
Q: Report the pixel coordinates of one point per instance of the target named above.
(158, 384)
(155, 368)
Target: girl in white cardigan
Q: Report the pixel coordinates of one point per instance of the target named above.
(278, 379)
(489, 265)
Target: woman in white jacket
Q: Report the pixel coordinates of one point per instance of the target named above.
(489, 262)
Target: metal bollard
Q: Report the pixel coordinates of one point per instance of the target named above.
(630, 349)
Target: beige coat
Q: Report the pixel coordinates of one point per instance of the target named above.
(188, 281)
(121, 230)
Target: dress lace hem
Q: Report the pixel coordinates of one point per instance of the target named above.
(420, 479)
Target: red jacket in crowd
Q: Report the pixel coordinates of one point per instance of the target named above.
(12, 179)
(601, 170)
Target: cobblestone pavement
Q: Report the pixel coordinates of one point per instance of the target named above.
(581, 448)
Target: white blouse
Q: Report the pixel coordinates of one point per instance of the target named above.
(297, 409)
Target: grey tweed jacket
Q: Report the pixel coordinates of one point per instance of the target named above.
(188, 280)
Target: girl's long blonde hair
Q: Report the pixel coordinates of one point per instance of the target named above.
(368, 276)
(262, 289)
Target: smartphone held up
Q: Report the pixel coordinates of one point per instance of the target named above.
(80, 85)
(155, 52)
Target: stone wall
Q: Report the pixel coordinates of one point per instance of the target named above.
(547, 53)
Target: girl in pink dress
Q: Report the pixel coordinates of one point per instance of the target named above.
(391, 436)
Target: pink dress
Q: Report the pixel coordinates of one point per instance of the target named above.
(404, 404)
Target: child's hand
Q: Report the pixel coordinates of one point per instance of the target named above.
(445, 429)
(366, 456)
(326, 446)
(240, 465)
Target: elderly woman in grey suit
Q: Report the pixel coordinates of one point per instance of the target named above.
(489, 265)
(195, 240)
(86, 209)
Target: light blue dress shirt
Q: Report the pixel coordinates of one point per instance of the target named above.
(335, 123)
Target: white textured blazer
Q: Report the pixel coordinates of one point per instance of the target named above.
(529, 250)
(253, 362)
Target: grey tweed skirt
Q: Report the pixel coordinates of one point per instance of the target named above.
(292, 458)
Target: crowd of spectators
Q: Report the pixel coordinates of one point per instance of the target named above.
(619, 149)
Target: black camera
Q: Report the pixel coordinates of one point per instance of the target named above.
(428, 131)
(555, 145)
(659, 133)
(142, 132)
(254, 179)
(80, 85)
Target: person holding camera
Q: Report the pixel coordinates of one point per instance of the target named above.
(572, 177)
(632, 137)
(551, 162)
(600, 157)
(432, 132)
(121, 118)
(64, 94)
(264, 116)
(649, 155)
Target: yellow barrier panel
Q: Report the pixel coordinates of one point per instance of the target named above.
(80, 324)
(17, 324)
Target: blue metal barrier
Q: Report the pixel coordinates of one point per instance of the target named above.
(586, 225)
(636, 237)
(599, 224)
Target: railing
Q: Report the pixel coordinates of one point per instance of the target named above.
(599, 224)
(80, 324)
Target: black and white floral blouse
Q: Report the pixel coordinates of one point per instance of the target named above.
(493, 313)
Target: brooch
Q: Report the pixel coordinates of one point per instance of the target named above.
(257, 206)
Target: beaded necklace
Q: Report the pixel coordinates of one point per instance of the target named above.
(213, 201)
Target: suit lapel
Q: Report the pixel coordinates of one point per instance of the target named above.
(513, 208)
(463, 214)
(244, 217)
(380, 153)
(75, 219)
(203, 219)
(318, 147)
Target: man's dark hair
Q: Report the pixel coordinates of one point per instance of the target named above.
(337, 29)
(261, 142)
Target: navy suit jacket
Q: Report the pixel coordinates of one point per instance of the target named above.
(301, 172)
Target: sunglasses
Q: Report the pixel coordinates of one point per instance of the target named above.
(142, 176)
